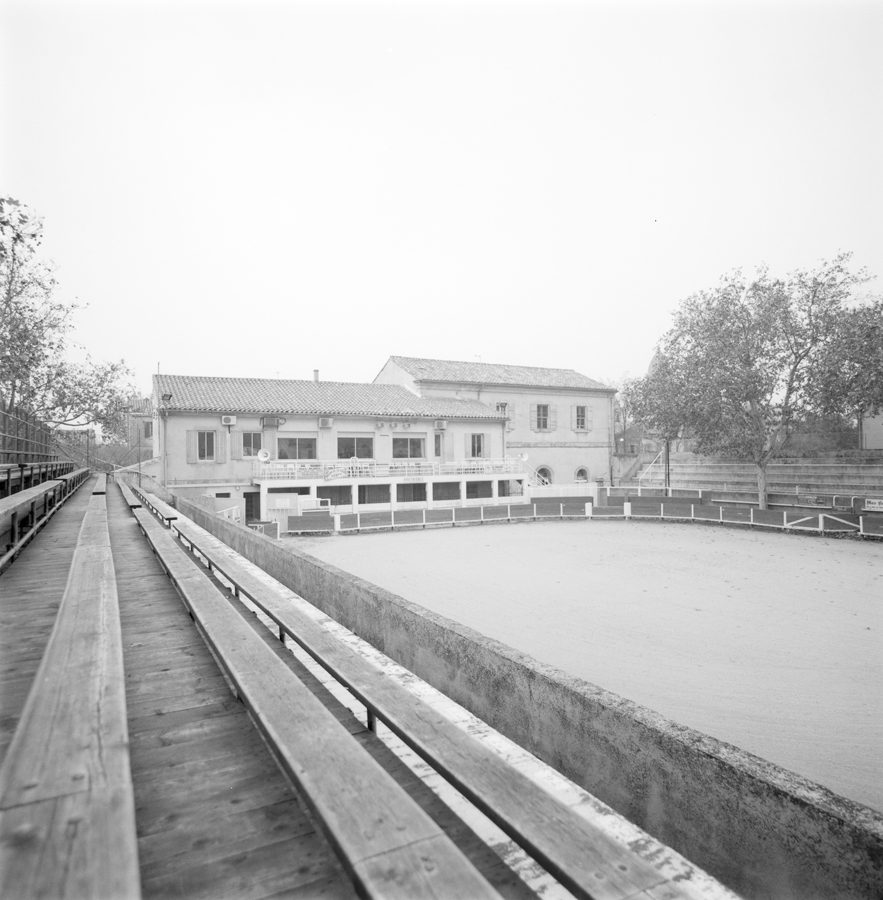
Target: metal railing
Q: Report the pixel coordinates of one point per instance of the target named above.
(649, 468)
(330, 470)
(24, 438)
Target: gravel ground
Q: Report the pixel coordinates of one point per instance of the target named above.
(769, 641)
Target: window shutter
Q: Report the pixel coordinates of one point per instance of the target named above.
(533, 417)
(588, 418)
(235, 445)
(486, 446)
(191, 446)
(220, 447)
(468, 452)
(573, 418)
(553, 417)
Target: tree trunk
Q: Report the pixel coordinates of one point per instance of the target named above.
(761, 485)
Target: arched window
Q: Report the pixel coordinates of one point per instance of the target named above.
(582, 475)
(545, 473)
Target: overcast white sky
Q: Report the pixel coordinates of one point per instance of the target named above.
(262, 189)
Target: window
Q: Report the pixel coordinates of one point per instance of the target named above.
(148, 429)
(438, 445)
(446, 490)
(302, 491)
(407, 448)
(373, 493)
(251, 443)
(545, 473)
(361, 448)
(223, 496)
(476, 445)
(476, 489)
(295, 448)
(581, 418)
(582, 475)
(339, 495)
(503, 409)
(542, 416)
(205, 445)
(410, 493)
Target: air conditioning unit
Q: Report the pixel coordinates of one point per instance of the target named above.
(406, 424)
(272, 422)
(441, 424)
(378, 424)
(326, 423)
(228, 420)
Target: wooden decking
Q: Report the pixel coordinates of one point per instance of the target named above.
(215, 815)
(30, 593)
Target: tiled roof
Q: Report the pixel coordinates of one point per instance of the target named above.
(141, 406)
(494, 373)
(323, 398)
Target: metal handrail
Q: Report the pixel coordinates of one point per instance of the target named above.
(647, 470)
(365, 468)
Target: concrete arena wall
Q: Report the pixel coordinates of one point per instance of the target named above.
(763, 831)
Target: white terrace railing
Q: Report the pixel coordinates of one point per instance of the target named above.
(330, 470)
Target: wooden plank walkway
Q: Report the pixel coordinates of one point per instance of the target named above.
(32, 588)
(215, 816)
(67, 818)
(212, 813)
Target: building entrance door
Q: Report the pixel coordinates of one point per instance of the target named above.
(252, 506)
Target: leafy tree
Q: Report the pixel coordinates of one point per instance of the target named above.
(740, 364)
(34, 373)
(849, 367)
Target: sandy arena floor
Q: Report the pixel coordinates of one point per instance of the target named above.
(768, 641)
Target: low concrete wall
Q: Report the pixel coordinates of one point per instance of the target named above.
(763, 831)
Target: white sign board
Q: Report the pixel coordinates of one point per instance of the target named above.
(874, 505)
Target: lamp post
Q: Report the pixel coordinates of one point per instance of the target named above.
(166, 398)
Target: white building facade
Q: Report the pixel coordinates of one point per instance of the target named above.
(560, 420)
(271, 448)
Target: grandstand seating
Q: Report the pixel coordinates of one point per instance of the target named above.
(849, 475)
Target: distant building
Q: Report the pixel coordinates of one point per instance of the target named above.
(268, 444)
(561, 420)
(140, 428)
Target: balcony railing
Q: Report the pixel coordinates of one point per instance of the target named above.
(331, 470)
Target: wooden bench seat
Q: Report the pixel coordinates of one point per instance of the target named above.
(23, 514)
(100, 486)
(74, 479)
(131, 500)
(160, 508)
(67, 812)
(389, 845)
(587, 860)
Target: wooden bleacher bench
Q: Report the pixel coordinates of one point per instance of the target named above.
(160, 508)
(23, 514)
(131, 500)
(67, 811)
(100, 484)
(587, 861)
(74, 479)
(388, 844)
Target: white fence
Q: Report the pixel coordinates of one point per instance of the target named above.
(331, 470)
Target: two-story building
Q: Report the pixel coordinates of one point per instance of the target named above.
(268, 445)
(560, 420)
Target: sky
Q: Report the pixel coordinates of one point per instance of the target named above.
(261, 189)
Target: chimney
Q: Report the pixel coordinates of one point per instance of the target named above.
(316, 375)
